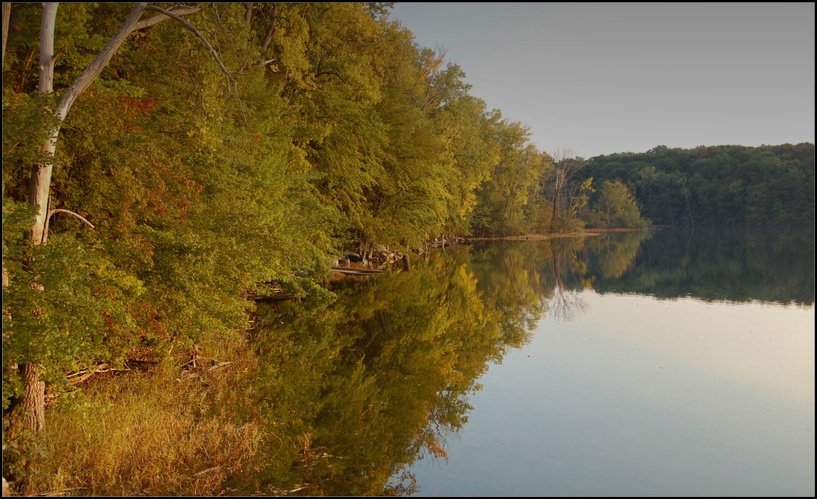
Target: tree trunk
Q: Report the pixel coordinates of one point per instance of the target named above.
(41, 173)
(40, 183)
(6, 18)
(248, 12)
(32, 407)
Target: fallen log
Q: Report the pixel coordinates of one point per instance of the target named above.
(357, 271)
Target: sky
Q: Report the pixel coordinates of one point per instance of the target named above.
(603, 78)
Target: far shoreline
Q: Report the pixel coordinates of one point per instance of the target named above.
(540, 237)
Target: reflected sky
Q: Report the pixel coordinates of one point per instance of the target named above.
(639, 396)
(767, 346)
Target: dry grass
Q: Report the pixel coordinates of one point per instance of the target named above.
(170, 431)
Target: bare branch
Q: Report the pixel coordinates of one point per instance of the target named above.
(330, 73)
(248, 13)
(62, 210)
(98, 64)
(197, 33)
(78, 377)
(161, 17)
(57, 54)
(270, 31)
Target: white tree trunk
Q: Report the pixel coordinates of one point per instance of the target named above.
(40, 182)
(41, 174)
(33, 405)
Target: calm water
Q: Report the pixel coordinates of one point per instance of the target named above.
(669, 363)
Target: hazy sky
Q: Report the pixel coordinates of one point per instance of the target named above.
(600, 78)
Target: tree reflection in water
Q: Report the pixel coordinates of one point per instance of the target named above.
(353, 391)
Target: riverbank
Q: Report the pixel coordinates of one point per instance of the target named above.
(532, 237)
(539, 237)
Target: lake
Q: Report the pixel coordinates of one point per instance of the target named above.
(663, 363)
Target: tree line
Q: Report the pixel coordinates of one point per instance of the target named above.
(728, 185)
(162, 162)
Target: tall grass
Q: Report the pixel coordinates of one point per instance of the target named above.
(169, 431)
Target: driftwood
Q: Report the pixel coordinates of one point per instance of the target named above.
(219, 365)
(80, 376)
(357, 271)
(277, 294)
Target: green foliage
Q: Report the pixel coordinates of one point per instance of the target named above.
(616, 207)
(718, 186)
(65, 306)
(334, 131)
(26, 125)
(505, 201)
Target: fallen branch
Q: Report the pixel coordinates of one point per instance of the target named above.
(205, 472)
(87, 373)
(79, 373)
(219, 365)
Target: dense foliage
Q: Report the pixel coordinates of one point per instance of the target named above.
(717, 186)
(331, 131)
(616, 207)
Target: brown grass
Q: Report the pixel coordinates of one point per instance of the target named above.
(170, 431)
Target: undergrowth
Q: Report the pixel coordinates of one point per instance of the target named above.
(174, 429)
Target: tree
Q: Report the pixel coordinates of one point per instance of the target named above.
(468, 130)
(718, 185)
(32, 406)
(616, 207)
(561, 187)
(507, 196)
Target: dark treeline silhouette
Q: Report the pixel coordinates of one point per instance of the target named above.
(725, 185)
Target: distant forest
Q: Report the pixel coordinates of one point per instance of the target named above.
(164, 162)
(725, 185)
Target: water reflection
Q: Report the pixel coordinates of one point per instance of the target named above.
(775, 266)
(354, 391)
(362, 384)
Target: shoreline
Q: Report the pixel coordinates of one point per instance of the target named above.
(541, 237)
(530, 237)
